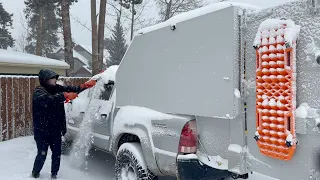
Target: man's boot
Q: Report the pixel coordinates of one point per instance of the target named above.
(35, 175)
(53, 176)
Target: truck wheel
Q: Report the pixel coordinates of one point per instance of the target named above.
(130, 163)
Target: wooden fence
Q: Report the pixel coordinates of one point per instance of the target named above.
(16, 104)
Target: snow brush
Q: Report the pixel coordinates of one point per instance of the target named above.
(68, 100)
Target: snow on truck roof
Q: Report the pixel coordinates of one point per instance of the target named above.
(108, 75)
(196, 13)
(18, 58)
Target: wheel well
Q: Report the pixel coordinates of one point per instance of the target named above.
(128, 138)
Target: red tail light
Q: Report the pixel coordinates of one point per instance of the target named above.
(188, 138)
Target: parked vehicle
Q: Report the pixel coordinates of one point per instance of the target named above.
(176, 106)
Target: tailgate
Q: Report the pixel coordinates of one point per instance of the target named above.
(222, 134)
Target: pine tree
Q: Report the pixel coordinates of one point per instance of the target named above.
(116, 44)
(44, 24)
(6, 39)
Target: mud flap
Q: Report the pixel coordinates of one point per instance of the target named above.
(236, 159)
(193, 169)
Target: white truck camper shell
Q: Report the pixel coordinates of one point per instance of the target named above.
(188, 68)
(203, 64)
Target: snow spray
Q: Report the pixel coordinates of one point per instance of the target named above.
(82, 144)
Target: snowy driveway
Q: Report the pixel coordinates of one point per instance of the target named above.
(17, 156)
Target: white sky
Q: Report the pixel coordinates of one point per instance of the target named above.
(81, 10)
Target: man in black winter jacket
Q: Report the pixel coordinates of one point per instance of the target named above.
(49, 121)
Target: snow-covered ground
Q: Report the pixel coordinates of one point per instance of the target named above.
(17, 156)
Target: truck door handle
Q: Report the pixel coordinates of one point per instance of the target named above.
(104, 116)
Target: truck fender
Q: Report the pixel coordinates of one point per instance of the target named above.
(136, 133)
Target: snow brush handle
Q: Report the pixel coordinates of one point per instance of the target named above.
(85, 88)
(68, 100)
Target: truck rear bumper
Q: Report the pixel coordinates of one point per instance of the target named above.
(190, 168)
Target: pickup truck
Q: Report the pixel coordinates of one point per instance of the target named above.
(132, 144)
(212, 94)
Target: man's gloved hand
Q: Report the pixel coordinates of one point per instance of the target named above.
(70, 96)
(63, 132)
(88, 84)
(63, 139)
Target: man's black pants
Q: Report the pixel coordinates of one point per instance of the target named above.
(43, 144)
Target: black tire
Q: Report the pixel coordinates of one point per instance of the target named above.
(130, 162)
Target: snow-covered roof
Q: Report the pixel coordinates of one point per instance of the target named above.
(195, 13)
(87, 69)
(89, 50)
(86, 47)
(59, 50)
(18, 58)
(77, 55)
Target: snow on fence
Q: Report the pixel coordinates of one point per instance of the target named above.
(16, 104)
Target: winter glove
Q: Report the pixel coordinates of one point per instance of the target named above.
(88, 84)
(70, 96)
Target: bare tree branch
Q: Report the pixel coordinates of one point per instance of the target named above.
(173, 12)
(141, 19)
(113, 6)
(22, 22)
(22, 42)
(141, 11)
(80, 23)
(174, 7)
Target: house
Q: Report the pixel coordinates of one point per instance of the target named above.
(84, 71)
(82, 55)
(18, 63)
